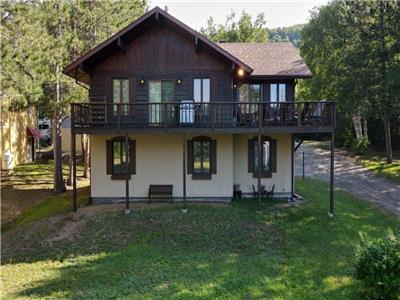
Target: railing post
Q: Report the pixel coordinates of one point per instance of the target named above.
(105, 115)
(298, 115)
(72, 115)
(260, 115)
(164, 107)
(213, 116)
(118, 117)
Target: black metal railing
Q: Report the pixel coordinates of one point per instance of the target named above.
(203, 115)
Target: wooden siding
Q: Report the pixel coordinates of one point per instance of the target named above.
(162, 53)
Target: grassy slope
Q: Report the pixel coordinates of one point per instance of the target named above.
(211, 252)
(390, 171)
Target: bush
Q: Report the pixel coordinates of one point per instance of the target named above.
(359, 146)
(378, 266)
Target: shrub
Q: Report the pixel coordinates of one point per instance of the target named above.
(359, 146)
(378, 266)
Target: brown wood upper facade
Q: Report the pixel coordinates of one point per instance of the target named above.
(141, 78)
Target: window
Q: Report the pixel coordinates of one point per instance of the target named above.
(268, 157)
(121, 95)
(277, 92)
(249, 93)
(202, 157)
(201, 90)
(116, 157)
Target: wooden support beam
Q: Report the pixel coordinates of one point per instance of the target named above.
(74, 192)
(184, 174)
(259, 166)
(292, 167)
(298, 145)
(127, 175)
(121, 44)
(332, 174)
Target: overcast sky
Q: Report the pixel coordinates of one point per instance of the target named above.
(278, 13)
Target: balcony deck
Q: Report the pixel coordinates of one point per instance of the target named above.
(189, 117)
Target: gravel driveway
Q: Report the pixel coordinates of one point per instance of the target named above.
(350, 176)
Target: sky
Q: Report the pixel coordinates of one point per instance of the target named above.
(278, 13)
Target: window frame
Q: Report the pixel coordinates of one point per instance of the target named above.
(254, 148)
(124, 111)
(131, 159)
(202, 90)
(278, 84)
(203, 174)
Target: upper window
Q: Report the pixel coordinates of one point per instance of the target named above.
(121, 94)
(202, 90)
(117, 160)
(277, 92)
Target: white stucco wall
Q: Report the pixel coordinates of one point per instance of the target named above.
(159, 161)
(281, 179)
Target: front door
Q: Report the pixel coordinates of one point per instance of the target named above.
(160, 91)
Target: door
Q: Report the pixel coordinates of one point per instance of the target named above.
(161, 92)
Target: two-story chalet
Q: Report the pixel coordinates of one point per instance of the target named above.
(168, 108)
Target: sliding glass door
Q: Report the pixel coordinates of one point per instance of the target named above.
(160, 91)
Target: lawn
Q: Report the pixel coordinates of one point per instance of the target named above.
(225, 252)
(379, 166)
(26, 194)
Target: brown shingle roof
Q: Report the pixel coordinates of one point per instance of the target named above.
(273, 59)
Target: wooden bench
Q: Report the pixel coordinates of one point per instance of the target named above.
(160, 191)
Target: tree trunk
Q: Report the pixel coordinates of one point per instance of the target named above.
(384, 99)
(388, 142)
(58, 176)
(86, 155)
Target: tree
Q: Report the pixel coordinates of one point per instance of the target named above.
(42, 37)
(349, 46)
(242, 30)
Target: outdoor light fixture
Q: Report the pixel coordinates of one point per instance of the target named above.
(141, 82)
(178, 82)
(234, 85)
(240, 72)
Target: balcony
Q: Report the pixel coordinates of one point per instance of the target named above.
(187, 116)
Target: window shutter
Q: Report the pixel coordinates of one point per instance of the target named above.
(109, 157)
(189, 152)
(273, 155)
(132, 156)
(250, 158)
(213, 156)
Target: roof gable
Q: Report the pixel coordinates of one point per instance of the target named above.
(80, 68)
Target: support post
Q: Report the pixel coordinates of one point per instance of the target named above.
(259, 166)
(184, 209)
(303, 165)
(73, 154)
(127, 209)
(292, 169)
(332, 174)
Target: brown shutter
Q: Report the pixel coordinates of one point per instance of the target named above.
(132, 156)
(189, 151)
(213, 156)
(273, 155)
(250, 158)
(109, 156)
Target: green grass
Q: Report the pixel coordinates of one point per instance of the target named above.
(208, 253)
(49, 207)
(379, 166)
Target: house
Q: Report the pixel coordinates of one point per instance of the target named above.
(19, 136)
(186, 112)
